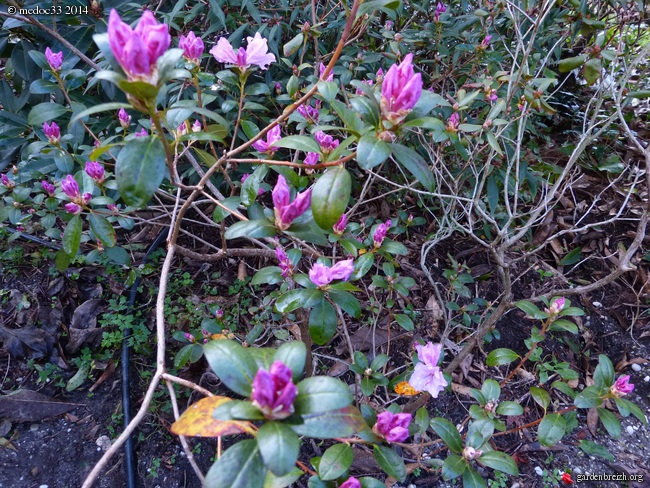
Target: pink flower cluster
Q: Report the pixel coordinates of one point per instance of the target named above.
(285, 210)
(394, 427)
(255, 54)
(272, 136)
(400, 90)
(192, 47)
(321, 275)
(622, 387)
(427, 375)
(274, 392)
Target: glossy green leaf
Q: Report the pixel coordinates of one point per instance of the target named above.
(301, 143)
(330, 196)
(102, 229)
(290, 48)
(391, 462)
(531, 309)
(499, 461)
(472, 479)
(491, 390)
(140, 169)
(569, 64)
(72, 236)
(510, 408)
(604, 373)
(453, 467)
(303, 297)
(293, 354)
(321, 394)
(336, 460)
(279, 446)
(448, 433)
(347, 302)
(45, 112)
(344, 422)
(371, 151)
(626, 407)
(502, 356)
(594, 449)
(592, 70)
(323, 322)
(541, 396)
(589, 397)
(551, 429)
(415, 164)
(240, 466)
(610, 422)
(273, 481)
(479, 433)
(232, 364)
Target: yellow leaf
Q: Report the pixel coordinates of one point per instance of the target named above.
(227, 335)
(197, 421)
(405, 389)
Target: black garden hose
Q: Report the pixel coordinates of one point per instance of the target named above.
(126, 389)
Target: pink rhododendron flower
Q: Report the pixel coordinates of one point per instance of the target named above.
(622, 386)
(351, 482)
(285, 210)
(95, 171)
(380, 233)
(71, 188)
(308, 112)
(321, 275)
(255, 54)
(125, 118)
(192, 47)
(321, 71)
(113, 208)
(142, 133)
(284, 262)
(182, 129)
(393, 426)
(4, 179)
(272, 136)
(326, 142)
(52, 132)
(312, 158)
(400, 90)
(453, 122)
(427, 375)
(341, 224)
(274, 392)
(137, 50)
(557, 306)
(48, 188)
(72, 208)
(486, 41)
(440, 9)
(196, 126)
(55, 60)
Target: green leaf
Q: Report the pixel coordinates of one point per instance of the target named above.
(391, 462)
(502, 356)
(240, 466)
(592, 70)
(347, 302)
(625, 407)
(300, 143)
(569, 64)
(269, 275)
(491, 390)
(371, 151)
(510, 408)
(363, 265)
(499, 461)
(140, 169)
(385, 5)
(551, 429)
(594, 449)
(139, 89)
(572, 257)
(589, 397)
(541, 396)
(321, 394)
(448, 433)
(220, 214)
(305, 298)
(279, 446)
(72, 236)
(328, 89)
(45, 112)
(349, 117)
(453, 467)
(293, 354)
(336, 460)
(604, 373)
(232, 364)
(102, 229)
(471, 479)
(479, 433)
(330, 196)
(293, 45)
(531, 309)
(102, 107)
(610, 422)
(344, 422)
(415, 164)
(564, 325)
(251, 228)
(404, 321)
(273, 481)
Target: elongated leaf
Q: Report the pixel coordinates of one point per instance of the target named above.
(140, 169)
(371, 151)
(391, 462)
(197, 420)
(551, 429)
(479, 433)
(293, 354)
(499, 357)
(232, 364)
(594, 449)
(604, 374)
(499, 461)
(251, 228)
(336, 460)
(453, 467)
(301, 143)
(72, 236)
(334, 423)
(290, 301)
(102, 229)
(472, 479)
(610, 422)
(541, 397)
(102, 107)
(279, 446)
(45, 112)
(241, 466)
(321, 394)
(323, 322)
(589, 397)
(330, 196)
(448, 433)
(415, 164)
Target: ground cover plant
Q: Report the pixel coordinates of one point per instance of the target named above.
(399, 202)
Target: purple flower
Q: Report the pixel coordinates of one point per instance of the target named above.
(380, 233)
(312, 158)
(272, 136)
(72, 208)
(393, 427)
(113, 208)
(219, 314)
(557, 306)
(192, 47)
(486, 42)
(284, 262)
(341, 224)
(189, 337)
(326, 142)
(52, 132)
(453, 122)
(256, 53)
(286, 211)
(4, 179)
(359, 91)
(196, 126)
(48, 188)
(54, 59)
(86, 198)
(71, 188)
(182, 129)
(125, 118)
(142, 133)
(321, 275)
(427, 375)
(400, 90)
(440, 9)
(274, 392)
(351, 482)
(622, 386)
(95, 171)
(244, 177)
(388, 25)
(278, 88)
(137, 50)
(308, 112)
(321, 71)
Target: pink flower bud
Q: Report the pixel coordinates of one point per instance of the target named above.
(286, 212)
(341, 224)
(95, 171)
(125, 118)
(486, 42)
(453, 122)
(351, 482)
(71, 188)
(142, 133)
(274, 135)
(4, 179)
(557, 306)
(308, 112)
(48, 188)
(274, 392)
(284, 262)
(55, 60)
(388, 25)
(321, 70)
(393, 427)
(400, 90)
(311, 158)
(113, 208)
(244, 177)
(189, 337)
(182, 129)
(469, 453)
(326, 142)
(278, 88)
(196, 126)
(622, 387)
(86, 198)
(219, 314)
(192, 47)
(52, 132)
(72, 208)
(380, 234)
(440, 9)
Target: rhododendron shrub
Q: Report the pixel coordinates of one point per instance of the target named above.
(333, 158)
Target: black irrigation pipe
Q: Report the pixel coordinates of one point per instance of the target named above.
(126, 375)
(126, 361)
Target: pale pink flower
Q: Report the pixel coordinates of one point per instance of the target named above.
(285, 210)
(427, 375)
(255, 54)
(321, 275)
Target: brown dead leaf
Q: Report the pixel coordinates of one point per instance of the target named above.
(31, 406)
(592, 420)
(624, 363)
(197, 420)
(338, 368)
(26, 341)
(295, 330)
(461, 389)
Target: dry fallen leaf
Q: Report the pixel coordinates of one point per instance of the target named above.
(197, 420)
(405, 389)
(31, 406)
